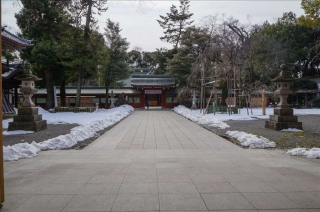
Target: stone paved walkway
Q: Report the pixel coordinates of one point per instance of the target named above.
(158, 160)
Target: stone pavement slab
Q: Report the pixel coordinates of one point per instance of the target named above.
(160, 161)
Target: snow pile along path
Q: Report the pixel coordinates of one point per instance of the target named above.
(77, 134)
(309, 153)
(250, 140)
(199, 118)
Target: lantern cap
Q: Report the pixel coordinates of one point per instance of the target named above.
(285, 75)
(27, 74)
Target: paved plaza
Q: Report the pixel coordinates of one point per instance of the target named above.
(156, 160)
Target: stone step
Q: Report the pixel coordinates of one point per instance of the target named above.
(283, 118)
(283, 125)
(27, 118)
(28, 126)
(28, 111)
(283, 111)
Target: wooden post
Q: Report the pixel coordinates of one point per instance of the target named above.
(263, 103)
(1, 136)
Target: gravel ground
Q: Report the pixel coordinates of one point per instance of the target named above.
(54, 130)
(284, 140)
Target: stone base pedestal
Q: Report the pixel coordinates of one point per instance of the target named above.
(283, 119)
(28, 119)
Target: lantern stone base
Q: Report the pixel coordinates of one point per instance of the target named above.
(28, 119)
(283, 119)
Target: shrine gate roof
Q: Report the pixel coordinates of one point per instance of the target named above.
(152, 81)
(12, 41)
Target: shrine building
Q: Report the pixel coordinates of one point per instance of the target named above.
(142, 85)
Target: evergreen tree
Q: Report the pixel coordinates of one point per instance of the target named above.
(41, 21)
(117, 67)
(176, 22)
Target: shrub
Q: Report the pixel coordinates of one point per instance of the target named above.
(121, 100)
(316, 103)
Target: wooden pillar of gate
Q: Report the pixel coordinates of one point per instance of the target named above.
(163, 99)
(142, 99)
(1, 137)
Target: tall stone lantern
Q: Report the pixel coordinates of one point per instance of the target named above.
(28, 118)
(283, 117)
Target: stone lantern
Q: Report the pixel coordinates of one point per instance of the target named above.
(194, 99)
(283, 117)
(28, 118)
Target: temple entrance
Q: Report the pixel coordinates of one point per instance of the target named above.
(154, 97)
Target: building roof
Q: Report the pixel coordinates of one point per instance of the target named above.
(152, 81)
(92, 91)
(142, 71)
(12, 41)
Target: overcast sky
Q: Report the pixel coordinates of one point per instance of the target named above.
(138, 20)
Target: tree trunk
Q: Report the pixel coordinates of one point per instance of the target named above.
(78, 97)
(107, 94)
(63, 92)
(49, 86)
(88, 20)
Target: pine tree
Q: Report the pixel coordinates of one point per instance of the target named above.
(117, 67)
(176, 22)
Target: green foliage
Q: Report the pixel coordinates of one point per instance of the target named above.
(42, 21)
(303, 84)
(121, 100)
(282, 42)
(117, 67)
(316, 103)
(311, 9)
(185, 102)
(176, 22)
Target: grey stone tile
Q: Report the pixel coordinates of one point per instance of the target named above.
(101, 178)
(173, 188)
(82, 202)
(73, 178)
(181, 202)
(44, 203)
(22, 188)
(272, 177)
(226, 201)
(136, 202)
(240, 177)
(252, 187)
(13, 201)
(305, 199)
(65, 188)
(139, 188)
(216, 187)
(174, 178)
(140, 178)
(164, 171)
(292, 186)
(100, 188)
(270, 201)
(206, 178)
(151, 170)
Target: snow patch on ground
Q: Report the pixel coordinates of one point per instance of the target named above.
(17, 132)
(291, 130)
(309, 153)
(250, 140)
(17, 151)
(195, 116)
(89, 123)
